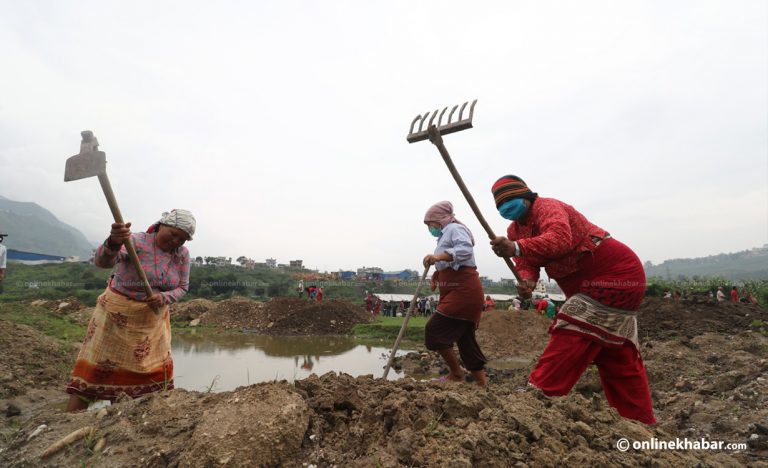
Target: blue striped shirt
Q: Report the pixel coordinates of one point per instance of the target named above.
(456, 239)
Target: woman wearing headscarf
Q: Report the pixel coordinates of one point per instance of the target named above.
(604, 283)
(461, 294)
(127, 347)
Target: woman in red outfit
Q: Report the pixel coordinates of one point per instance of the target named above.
(604, 282)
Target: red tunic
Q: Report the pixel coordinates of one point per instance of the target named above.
(553, 236)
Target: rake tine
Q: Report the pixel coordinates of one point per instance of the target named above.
(450, 116)
(472, 110)
(423, 119)
(461, 112)
(434, 114)
(415, 119)
(440, 120)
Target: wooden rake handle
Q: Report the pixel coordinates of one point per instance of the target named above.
(437, 140)
(405, 322)
(106, 187)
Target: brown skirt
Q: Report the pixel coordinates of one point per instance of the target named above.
(127, 349)
(461, 293)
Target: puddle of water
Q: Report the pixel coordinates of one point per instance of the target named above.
(233, 360)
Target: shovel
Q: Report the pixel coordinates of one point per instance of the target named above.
(434, 133)
(405, 322)
(92, 162)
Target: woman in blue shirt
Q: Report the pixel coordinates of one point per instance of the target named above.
(461, 294)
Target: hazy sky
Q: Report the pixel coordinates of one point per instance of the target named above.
(282, 125)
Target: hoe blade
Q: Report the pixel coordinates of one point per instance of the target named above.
(89, 163)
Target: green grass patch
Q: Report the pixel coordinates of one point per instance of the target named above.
(43, 320)
(389, 327)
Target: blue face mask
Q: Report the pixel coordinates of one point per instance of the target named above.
(435, 231)
(514, 209)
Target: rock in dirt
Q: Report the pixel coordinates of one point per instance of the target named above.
(12, 410)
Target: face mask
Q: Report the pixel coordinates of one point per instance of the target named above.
(435, 231)
(513, 210)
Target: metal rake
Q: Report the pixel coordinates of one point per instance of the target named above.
(435, 134)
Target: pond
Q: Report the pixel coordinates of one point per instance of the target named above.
(222, 362)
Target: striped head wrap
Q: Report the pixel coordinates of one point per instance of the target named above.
(510, 187)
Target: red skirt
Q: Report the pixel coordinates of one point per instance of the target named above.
(461, 293)
(611, 275)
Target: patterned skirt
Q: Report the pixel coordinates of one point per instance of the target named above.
(127, 349)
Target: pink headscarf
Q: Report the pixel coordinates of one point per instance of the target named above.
(442, 213)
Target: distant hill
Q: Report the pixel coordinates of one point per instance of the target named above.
(32, 228)
(746, 265)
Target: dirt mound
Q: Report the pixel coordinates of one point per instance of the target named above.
(235, 313)
(344, 421)
(669, 319)
(36, 360)
(190, 310)
(278, 316)
(33, 369)
(66, 305)
(293, 316)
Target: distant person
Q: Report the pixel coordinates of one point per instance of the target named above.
(598, 275)
(3, 261)
(551, 309)
(300, 288)
(489, 303)
(667, 294)
(377, 307)
(516, 304)
(428, 307)
(422, 304)
(368, 303)
(720, 294)
(312, 292)
(734, 294)
(127, 346)
(320, 294)
(461, 294)
(541, 306)
(747, 297)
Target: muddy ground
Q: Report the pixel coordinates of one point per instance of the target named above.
(705, 383)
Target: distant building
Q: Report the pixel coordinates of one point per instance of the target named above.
(31, 258)
(507, 281)
(347, 275)
(401, 275)
(297, 264)
(271, 262)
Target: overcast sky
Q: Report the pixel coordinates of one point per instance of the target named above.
(282, 125)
